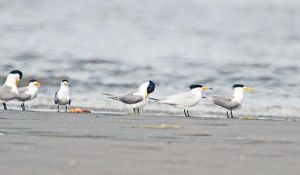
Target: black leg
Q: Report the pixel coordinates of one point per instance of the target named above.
(138, 111)
(227, 113)
(4, 106)
(231, 114)
(23, 106)
(188, 113)
(57, 108)
(184, 112)
(134, 110)
(66, 110)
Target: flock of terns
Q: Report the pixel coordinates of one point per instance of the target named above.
(135, 100)
(10, 91)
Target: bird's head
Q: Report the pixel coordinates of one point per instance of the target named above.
(200, 87)
(64, 83)
(147, 88)
(14, 77)
(34, 83)
(242, 88)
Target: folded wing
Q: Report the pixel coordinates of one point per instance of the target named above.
(225, 102)
(131, 98)
(184, 98)
(22, 89)
(23, 96)
(5, 93)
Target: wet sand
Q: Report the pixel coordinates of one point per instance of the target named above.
(58, 144)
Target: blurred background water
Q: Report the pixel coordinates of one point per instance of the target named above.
(113, 46)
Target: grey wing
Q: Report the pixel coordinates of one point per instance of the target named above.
(22, 89)
(5, 94)
(225, 102)
(131, 98)
(55, 98)
(23, 96)
(184, 98)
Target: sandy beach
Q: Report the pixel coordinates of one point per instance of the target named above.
(52, 143)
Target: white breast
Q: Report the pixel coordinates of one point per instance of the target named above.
(63, 95)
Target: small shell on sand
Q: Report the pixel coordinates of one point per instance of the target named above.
(248, 118)
(79, 110)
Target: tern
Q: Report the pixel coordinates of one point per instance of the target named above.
(28, 93)
(234, 102)
(137, 99)
(185, 100)
(9, 91)
(63, 96)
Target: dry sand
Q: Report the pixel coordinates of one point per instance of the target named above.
(48, 143)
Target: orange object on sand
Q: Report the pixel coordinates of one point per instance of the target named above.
(79, 110)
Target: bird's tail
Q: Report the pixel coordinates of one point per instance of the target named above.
(161, 101)
(111, 96)
(155, 99)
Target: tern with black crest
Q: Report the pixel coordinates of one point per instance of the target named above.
(63, 95)
(234, 102)
(137, 99)
(29, 92)
(185, 100)
(9, 91)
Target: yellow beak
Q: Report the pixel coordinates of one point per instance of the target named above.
(249, 89)
(17, 82)
(206, 88)
(37, 84)
(146, 95)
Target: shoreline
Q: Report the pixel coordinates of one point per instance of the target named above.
(176, 113)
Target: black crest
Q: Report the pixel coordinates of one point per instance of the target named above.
(193, 86)
(151, 87)
(33, 80)
(17, 72)
(65, 81)
(238, 86)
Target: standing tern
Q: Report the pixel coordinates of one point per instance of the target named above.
(9, 91)
(29, 92)
(185, 100)
(234, 102)
(137, 99)
(63, 96)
